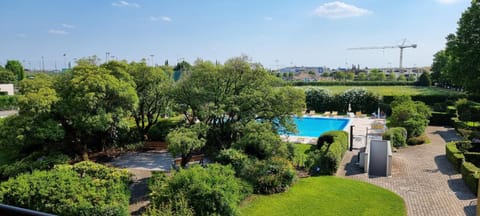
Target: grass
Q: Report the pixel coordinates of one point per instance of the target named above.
(301, 152)
(327, 196)
(395, 90)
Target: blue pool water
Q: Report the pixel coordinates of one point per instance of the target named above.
(314, 127)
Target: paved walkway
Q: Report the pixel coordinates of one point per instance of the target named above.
(423, 177)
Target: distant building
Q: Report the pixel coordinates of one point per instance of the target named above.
(316, 70)
(6, 89)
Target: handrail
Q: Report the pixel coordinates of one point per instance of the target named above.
(7, 210)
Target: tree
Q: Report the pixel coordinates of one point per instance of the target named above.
(424, 80)
(392, 77)
(153, 90)
(411, 115)
(376, 75)
(185, 141)
(325, 74)
(16, 68)
(6, 76)
(350, 75)
(227, 97)
(402, 78)
(464, 50)
(362, 76)
(261, 141)
(94, 105)
(180, 68)
(439, 67)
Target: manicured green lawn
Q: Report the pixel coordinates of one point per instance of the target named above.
(327, 196)
(395, 90)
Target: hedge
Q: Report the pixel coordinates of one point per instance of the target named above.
(85, 188)
(325, 161)
(454, 155)
(472, 157)
(360, 99)
(427, 99)
(8, 102)
(470, 174)
(354, 83)
(440, 118)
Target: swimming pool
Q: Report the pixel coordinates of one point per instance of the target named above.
(314, 127)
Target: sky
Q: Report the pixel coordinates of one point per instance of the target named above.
(275, 33)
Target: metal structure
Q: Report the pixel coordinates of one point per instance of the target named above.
(401, 46)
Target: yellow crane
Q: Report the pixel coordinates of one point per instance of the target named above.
(401, 46)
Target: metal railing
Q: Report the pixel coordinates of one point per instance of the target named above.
(7, 210)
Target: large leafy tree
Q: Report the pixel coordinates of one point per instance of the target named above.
(6, 76)
(94, 104)
(184, 142)
(463, 50)
(227, 97)
(15, 67)
(153, 87)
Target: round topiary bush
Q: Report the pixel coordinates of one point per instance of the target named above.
(270, 176)
(397, 136)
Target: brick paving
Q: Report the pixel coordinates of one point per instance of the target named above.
(423, 177)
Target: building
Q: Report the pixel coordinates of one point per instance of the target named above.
(6, 89)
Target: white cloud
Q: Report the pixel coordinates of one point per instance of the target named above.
(163, 18)
(125, 4)
(447, 1)
(57, 31)
(68, 26)
(338, 10)
(267, 18)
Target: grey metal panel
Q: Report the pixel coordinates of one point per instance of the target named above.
(378, 158)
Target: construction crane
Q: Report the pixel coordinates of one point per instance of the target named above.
(401, 46)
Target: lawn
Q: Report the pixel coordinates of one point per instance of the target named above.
(301, 152)
(327, 195)
(395, 90)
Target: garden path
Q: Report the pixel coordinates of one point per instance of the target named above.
(422, 176)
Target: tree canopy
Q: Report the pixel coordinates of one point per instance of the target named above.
(16, 68)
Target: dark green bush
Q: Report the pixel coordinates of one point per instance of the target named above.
(8, 102)
(427, 99)
(213, 190)
(64, 191)
(160, 130)
(319, 99)
(418, 140)
(260, 140)
(470, 174)
(440, 118)
(324, 139)
(325, 161)
(234, 157)
(35, 161)
(270, 176)
(397, 136)
(454, 155)
(472, 157)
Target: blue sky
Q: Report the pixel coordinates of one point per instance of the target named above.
(276, 33)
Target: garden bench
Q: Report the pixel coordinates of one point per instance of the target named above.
(195, 159)
(156, 145)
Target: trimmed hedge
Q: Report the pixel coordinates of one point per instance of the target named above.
(85, 188)
(472, 157)
(325, 161)
(470, 174)
(34, 161)
(427, 99)
(8, 102)
(441, 119)
(454, 155)
(355, 83)
(397, 136)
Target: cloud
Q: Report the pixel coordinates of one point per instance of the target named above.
(447, 1)
(58, 31)
(68, 26)
(163, 18)
(125, 4)
(338, 10)
(267, 18)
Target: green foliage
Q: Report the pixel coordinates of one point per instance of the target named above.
(6, 76)
(376, 75)
(318, 99)
(177, 205)
(34, 161)
(440, 118)
(64, 191)
(213, 190)
(360, 100)
(356, 83)
(261, 141)
(424, 80)
(270, 176)
(470, 174)
(397, 136)
(413, 116)
(402, 78)
(472, 157)
(454, 155)
(362, 76)
(8, 102)
(327, 159)
(16, 68)
(418, 140)
(236, 158)
(184, 141)
(160, 130)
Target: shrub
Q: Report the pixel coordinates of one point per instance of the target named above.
(270, 176)
(160, 130)
(318, 99)
(177, 205)
(325, 161)
(397, 136)
(360, 99)
(356, 83)
(8, 102)
(440, 118)
(64, 191)
(454, 155)
(470, 174)
(413, 116)
(35, 161)
(213, 190)
(324, 139)
(472, 157)
(424, 80)
(259, 140)
(422, 139)
(236, 158)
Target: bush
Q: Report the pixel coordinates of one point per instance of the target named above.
(472, 157)
(8, 102)
(440, 118)
(454, 155)
(213, 190)
(260, 140)
(355, 83)
(470, 174)
(236, 158)
(318, 99)
(325, 161)
(413, 116)
(35, 161)
(270, 176)
(397, 136)
(160, 130)
(360, 99)
(64, 191)
(422, 139)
